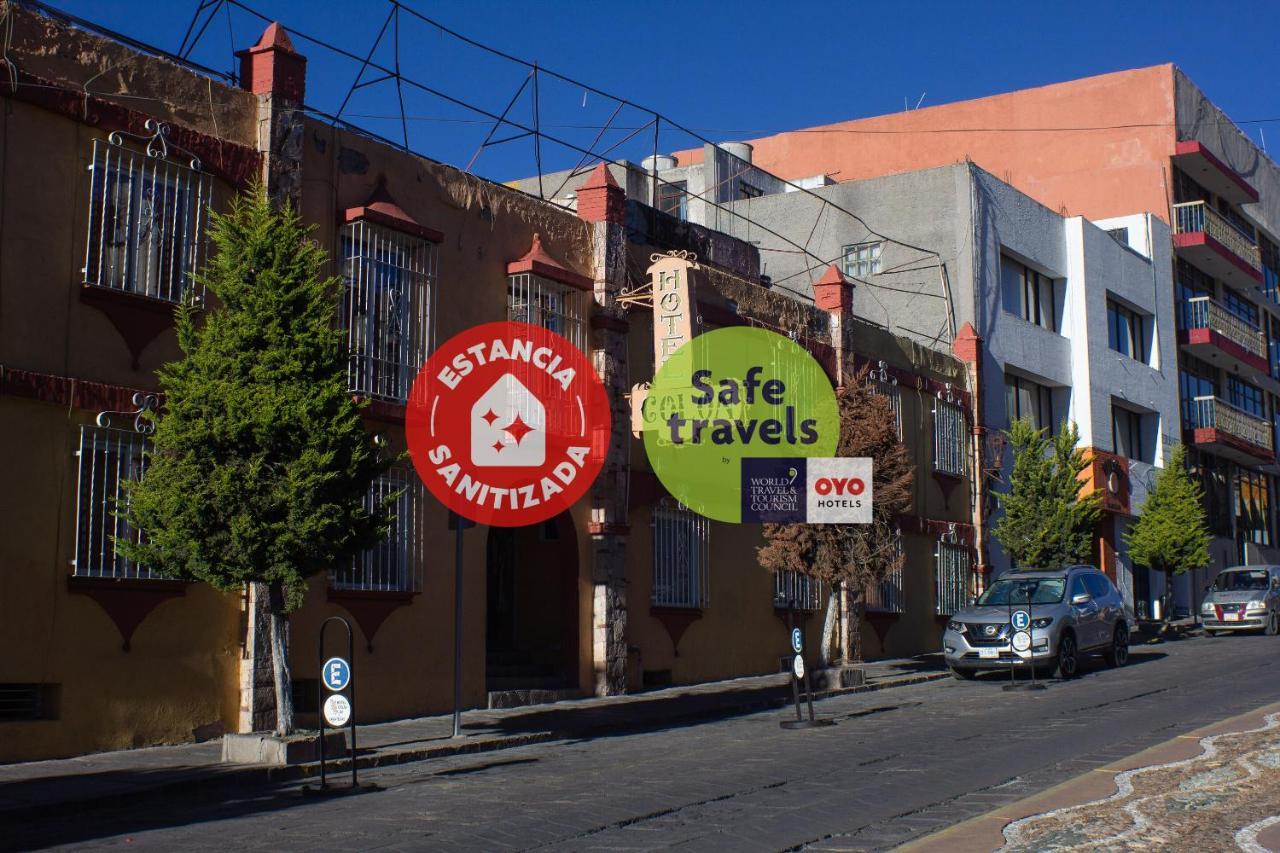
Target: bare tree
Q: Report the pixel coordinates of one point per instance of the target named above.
(850, 558)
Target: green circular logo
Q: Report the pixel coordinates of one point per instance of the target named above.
(729, 395)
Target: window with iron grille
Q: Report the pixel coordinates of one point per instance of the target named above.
(886, 596)
(886, 386)
(108, 459)
(681, 556)
(949, 440)
(147, 217)
(542, 302)
(386, 308)
(951, 578)
(862, 260)
(395, 563)
(796, 591)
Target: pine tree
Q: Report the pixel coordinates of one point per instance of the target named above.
(853, 556)
(1047, 523)
(1172, 534)
(260, 464)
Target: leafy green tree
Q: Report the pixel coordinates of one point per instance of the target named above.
(852, 557)
(260, 464)
(1172, 534)
(1047, 523)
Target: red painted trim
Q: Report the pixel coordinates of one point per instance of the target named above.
(1202, 435)
(234, 163)
(395, 223)
(1195, 239)
(1209, 337)
(555, 273)
(67, 391)
(1191, 147)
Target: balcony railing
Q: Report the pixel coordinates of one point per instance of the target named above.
(1215, 413)
(1197, 217)
(1203, 313)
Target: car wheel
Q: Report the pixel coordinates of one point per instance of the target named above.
(1068, 656)
(1273, 625)
(964, 674)
(1118, 653)
(1209, 633)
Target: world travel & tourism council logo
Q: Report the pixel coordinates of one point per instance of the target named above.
(507, 424)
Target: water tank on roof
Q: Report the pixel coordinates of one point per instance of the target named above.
(741, 150)
(658, 164)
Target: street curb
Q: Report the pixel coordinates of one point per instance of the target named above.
(223, 776)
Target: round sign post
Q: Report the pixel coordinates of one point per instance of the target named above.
(337, 696)
(800, 673)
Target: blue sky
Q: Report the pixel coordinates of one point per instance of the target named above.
(728, 70)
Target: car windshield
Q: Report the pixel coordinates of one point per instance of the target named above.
(1235, 581)
(1006, 592)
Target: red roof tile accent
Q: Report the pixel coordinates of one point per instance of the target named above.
(538, 262)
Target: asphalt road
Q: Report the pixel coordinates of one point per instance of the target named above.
(898, 764)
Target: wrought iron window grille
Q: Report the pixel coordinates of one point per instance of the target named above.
(109, 458)
(147, 217)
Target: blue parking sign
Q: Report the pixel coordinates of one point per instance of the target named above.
(1021, 619)
(336, 674)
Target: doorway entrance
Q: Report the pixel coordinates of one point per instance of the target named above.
(531, 624)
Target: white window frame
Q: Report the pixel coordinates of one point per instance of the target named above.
(887, 386)
(950, 437)
(863, 259)
(396, 563)
(887, 596)
(952, 572)
(389, 285)
(796, 591)
(108, 458)
(681, 556)
(147, 219)
(555, 306)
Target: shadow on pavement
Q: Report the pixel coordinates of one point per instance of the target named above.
(72, 822)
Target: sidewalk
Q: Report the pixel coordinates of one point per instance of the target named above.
(1216, 788)
(47, 786)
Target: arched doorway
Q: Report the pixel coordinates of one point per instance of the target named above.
(531, 613)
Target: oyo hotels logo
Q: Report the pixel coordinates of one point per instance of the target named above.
(507, 424)
(742, 410)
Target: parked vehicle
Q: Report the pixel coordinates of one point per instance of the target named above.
(1073, 611)
(1243, 598)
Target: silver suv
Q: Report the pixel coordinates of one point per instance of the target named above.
(1065, 613)
(1243, 598)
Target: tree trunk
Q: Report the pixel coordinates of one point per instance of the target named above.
(280, 662)
(829, 629)
(845, 637)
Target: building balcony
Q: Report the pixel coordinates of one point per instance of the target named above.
(1212, 333)
(1212, 243)
(1194, 159)
(1222, 429)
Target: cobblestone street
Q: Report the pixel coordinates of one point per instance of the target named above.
(900, 764)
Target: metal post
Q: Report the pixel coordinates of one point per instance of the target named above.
(457, 627)
(1013, 669)
(795, 682)
(320, 703)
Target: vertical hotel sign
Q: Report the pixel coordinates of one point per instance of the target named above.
(673, 306)
(674, 311)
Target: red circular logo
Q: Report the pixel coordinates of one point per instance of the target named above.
(508, 424)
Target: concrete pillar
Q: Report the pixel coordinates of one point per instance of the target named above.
(602, 202)
(276, 74)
